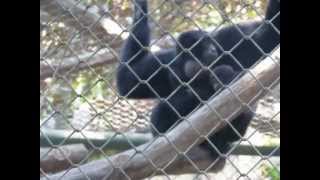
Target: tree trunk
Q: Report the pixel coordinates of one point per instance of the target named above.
(55, 160)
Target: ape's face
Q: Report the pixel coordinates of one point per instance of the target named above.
(196, 50)
(197, 45)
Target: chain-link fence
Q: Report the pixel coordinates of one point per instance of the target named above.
(90, 130)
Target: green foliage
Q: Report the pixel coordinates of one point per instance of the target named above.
(270, 172)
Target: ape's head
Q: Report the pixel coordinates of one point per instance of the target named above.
(195, 47)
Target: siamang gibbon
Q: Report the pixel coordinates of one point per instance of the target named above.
(200, 64)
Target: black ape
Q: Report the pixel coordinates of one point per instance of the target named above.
(185, 72)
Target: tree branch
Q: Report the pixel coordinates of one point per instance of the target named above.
(142, 161)
(55, 160)
(119, 142)
(76, 64)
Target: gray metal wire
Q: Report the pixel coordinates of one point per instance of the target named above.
(74, 29)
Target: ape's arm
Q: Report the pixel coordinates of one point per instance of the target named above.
(269, 37)
(138, 64)
(140, 33)
(273, 13)
(262, 39)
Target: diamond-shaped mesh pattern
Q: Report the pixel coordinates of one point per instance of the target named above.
(80, 103)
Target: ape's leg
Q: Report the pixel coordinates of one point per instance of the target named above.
(169, 112)
(227, 135)
(224, 137)
(226, 74)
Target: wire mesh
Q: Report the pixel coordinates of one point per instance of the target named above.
(79, 54)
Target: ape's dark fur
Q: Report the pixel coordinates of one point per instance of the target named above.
(143, 75)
